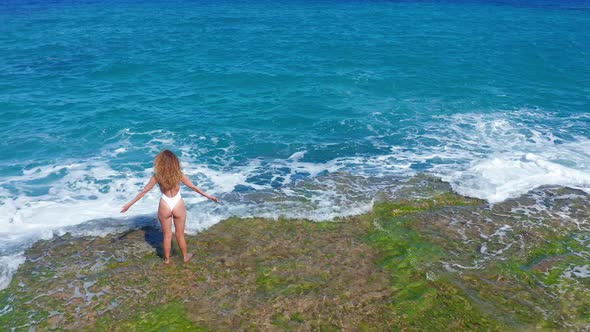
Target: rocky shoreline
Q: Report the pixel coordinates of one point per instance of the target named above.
(423, 259)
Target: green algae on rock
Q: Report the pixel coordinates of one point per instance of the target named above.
(423, 259)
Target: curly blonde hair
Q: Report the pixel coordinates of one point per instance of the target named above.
(167, 170)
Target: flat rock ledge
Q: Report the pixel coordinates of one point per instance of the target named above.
(423, 259)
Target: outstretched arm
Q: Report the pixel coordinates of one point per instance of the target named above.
(189, 184)
(147, 188)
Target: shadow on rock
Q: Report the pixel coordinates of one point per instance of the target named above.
(154, 237)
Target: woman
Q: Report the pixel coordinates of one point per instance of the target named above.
(168, 175)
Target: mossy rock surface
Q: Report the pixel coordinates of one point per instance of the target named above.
(424, 259)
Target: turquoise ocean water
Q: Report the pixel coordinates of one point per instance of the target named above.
(281, 108)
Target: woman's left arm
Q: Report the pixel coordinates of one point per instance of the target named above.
(147, 188)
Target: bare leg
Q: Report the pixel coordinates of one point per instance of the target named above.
(179, 214)
(165, 216)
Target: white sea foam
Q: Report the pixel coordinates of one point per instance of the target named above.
(503, 158)
(499, 178)
(499, 155)
(297, 155)
(8, 266)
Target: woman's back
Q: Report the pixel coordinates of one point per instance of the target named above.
(170, 192)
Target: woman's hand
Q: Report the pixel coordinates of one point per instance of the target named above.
(214, 199)
(125, 208)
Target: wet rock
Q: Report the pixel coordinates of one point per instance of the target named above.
(423, 259)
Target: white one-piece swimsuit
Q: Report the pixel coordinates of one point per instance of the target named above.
(172, 201)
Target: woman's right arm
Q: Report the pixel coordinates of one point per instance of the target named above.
(147, 188)
(187, 182)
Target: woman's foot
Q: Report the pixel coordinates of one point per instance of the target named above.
(188, 257)
(166, 261)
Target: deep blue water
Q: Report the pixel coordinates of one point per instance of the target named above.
(293, 108)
